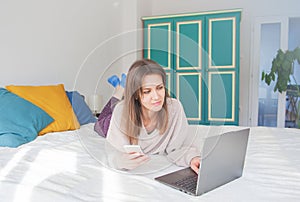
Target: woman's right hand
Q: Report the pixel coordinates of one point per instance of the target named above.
(131, 161)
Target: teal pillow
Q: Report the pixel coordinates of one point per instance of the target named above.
(81, 109)
(20, 120)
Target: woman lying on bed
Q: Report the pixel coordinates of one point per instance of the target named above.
(148, 117)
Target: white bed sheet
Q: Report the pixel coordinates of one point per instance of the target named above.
(71, 166)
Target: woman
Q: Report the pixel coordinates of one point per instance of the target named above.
(150, 118)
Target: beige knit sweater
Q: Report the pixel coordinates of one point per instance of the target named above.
(175, 143)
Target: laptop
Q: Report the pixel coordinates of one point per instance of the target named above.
(222, 161)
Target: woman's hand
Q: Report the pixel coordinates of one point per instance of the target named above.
(195, 163)
(131, 161)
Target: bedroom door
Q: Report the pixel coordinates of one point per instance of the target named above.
(267, 108)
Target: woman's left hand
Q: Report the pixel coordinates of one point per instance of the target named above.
(195, 163)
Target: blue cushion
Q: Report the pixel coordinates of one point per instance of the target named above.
(20, 120)
(81, 109)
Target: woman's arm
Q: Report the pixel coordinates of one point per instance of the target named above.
(183, 146)
(116, 139)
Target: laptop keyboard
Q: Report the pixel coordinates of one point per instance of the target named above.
(188, 183)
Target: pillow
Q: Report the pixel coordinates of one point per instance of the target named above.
(53, 100)
(81, 109)
(20, 120)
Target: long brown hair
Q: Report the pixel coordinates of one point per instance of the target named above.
(132, 112)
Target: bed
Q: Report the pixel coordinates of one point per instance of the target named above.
(71, 166)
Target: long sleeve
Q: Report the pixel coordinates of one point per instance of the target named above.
(115, 137)
(180, 148)
(102, 124)
(175, 143)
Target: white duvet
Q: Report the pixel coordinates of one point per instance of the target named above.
(71, 166)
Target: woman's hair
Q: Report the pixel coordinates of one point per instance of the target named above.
(132, 112)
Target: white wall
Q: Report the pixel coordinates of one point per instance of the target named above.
(74, 42)
(80, 43)
(250, 10)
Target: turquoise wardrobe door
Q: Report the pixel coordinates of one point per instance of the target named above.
(223, 68)
(188, 65)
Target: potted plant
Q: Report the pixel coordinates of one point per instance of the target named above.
(281, 72)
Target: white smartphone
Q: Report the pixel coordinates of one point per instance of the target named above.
(133, 148)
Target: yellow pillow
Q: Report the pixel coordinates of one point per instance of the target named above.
(53, 100)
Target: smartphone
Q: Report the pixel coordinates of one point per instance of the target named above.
(133, 148)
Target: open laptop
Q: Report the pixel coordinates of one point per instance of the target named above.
(222, 161)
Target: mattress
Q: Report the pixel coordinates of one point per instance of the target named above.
(72, 166)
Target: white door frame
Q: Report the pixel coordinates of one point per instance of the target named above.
(254, 67)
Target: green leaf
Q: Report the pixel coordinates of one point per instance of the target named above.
(281, 69)
(275, 88)
(268, 80)
(297, 53)
(262, 76)
(280, 55)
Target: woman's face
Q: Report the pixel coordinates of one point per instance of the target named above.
(153, 93)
